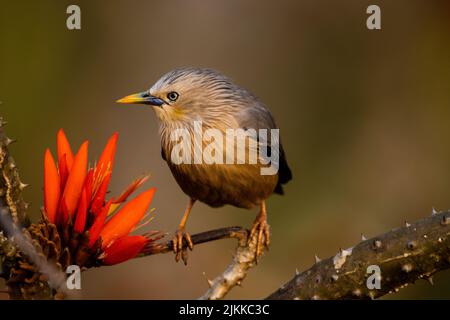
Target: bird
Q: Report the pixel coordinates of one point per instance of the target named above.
(187, 95)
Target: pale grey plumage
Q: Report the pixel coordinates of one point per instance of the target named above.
(184, 96)
(214, 99)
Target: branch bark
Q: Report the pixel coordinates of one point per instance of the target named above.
(244, 259)
(11, 186)
(403, 255)
(203, 237)
(14, 245)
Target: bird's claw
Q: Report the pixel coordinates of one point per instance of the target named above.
(181, 241)
(261, 230)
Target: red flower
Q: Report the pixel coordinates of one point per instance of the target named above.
(52, 186)
(74, 198)
(123, 249)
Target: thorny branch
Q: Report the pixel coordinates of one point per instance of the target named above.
(244, 259)
(404, 255)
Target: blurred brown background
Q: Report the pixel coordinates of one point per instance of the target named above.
(363, 116)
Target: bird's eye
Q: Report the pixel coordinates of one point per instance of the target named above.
(172, 96)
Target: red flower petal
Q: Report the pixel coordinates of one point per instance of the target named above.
(106, 161)
(75, 182)
(99, 198)
(80, 220)
(124, 249)
(88, 184)
(64, 149)
(97, 226)
(127, 218)
(62, 215)
(130, 189)
(63, 171)
(52, 187)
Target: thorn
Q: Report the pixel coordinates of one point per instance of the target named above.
(412, 244)
(210, 283)
(8, 141)
(341, 251)
(22, 185)
(445, 220)
(239, 283)
(434, 211)
(430, 280)
(26, 205)
(297, 272)
(377, 244)
(12, 166)
(356, 292)
(363, 237)
(334, 277)
(316, 258)
(407, 267)
(407, 224)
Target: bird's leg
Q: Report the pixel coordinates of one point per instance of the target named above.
(181, 235)
(261, 229)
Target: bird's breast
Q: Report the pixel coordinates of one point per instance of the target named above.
(211, 166)
(216, 185)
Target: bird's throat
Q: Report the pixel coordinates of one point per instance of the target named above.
(168, 114)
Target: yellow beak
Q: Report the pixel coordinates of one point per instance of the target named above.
(141, 98)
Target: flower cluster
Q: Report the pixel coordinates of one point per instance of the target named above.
(75, 202)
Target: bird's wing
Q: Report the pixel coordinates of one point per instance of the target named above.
(257, 116)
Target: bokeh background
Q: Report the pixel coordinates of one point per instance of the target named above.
(364, 118)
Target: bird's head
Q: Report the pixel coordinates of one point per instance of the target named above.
(190, 94)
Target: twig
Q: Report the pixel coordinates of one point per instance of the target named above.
(244, 259)
(56, 278)
(13, 217)
(11, 186)
(207, 236)
(403, 255)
